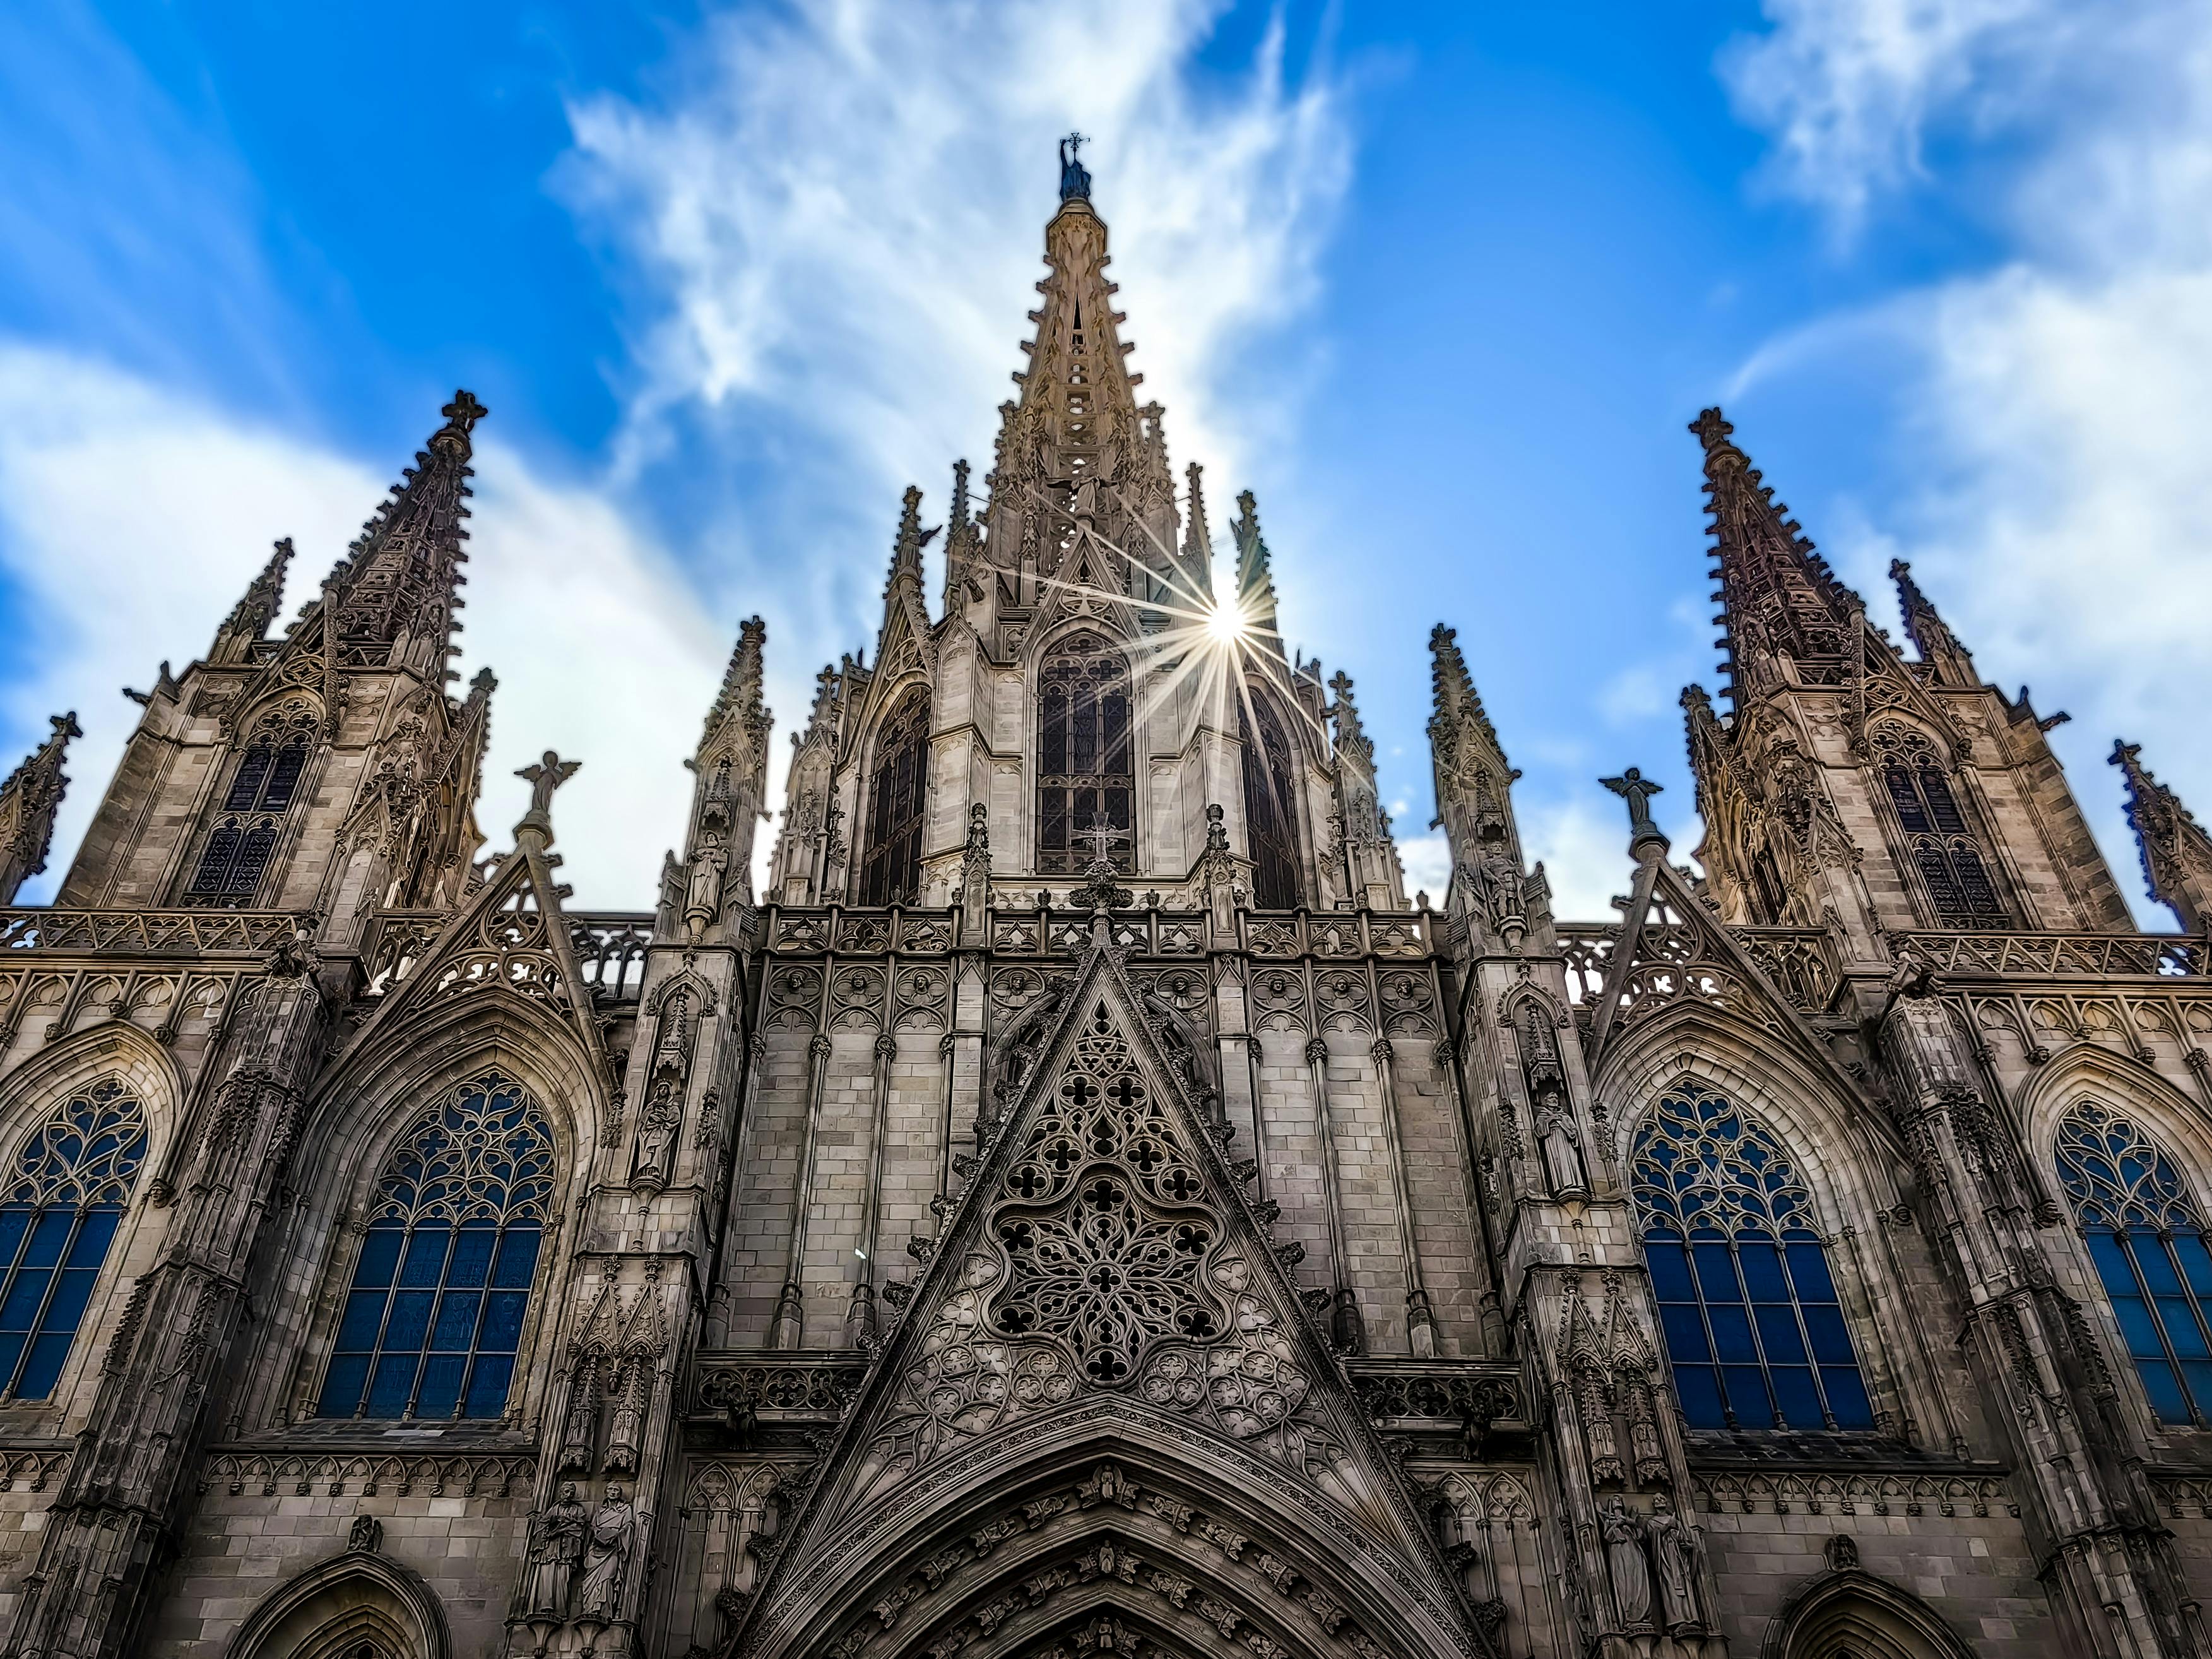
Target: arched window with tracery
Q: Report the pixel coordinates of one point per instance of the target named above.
(1939, 842)
(235, 856)
(1270, 812)
(898, 798)
(435, 1315)
(2146, 1237)
(1086, 772)
(1754, 1327)
(66, 1194)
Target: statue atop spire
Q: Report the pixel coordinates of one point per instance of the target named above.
(1074, 177)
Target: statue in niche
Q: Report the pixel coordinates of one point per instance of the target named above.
(702, 899)
(556, 1544)
(613, 1535)
(579, 1429)
(1624, 1560)
(1561, 1141)
(1501, 898)
(658, 1126)
(1674, 1564)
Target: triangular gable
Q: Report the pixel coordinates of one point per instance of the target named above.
(1104, 1290)
(1673, 948)
(512, 935)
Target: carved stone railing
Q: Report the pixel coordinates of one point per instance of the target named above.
(1454, 1392)
(148, 932)
(2059, 956)
(1283, 936)
(857, 930)
(302, 1469)
(1588, 949)
(610, 947)
(777, 1382)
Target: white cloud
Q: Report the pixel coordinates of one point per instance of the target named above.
(2055, 404)
(130, 518)
(1584, 847)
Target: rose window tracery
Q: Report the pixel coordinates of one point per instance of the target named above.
(1102, 1227)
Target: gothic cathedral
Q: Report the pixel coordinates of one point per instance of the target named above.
(1082, 1204)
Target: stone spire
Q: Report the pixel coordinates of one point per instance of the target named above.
(1255, 575)
(399, 586)
(1930, 635)
(2176, 853)
(250, 618)
(28, 800)
(903, 587)
(1373, 874)
(1197, 534)
(731, 770)
(1474, 804)
(1781, 605)
(962, 541)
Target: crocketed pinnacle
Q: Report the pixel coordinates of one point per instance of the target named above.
(1197, 534)
(1930, 635)
(1777, 595)
(740, 699)
(399, 583)
(1351, 737)
(257, 608)
(28, 800)
(2176, 853)
(1256, 574)
(1455, 702)
(960, 539)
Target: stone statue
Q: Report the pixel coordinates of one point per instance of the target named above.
(613, 1535)
(1501, 894)
(1561, 1141)
(1624, 1558)
(1674, 1566)
(557, 1543)
(1636, 789)
(702, 898)
(657, 1128)
(547, 776)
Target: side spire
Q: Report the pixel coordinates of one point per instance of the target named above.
(28, 800)
(1198, 535)
(1256, 574)
(1788, 619)
(2176, 853)
(399, 586)
(1930, 635)
(731, 768)
(961, 542)
(250, 618)
(1490, 891)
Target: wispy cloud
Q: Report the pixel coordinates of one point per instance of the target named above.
(2055, 495)
(599, 650)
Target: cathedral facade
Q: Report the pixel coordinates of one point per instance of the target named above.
(1081, 1204)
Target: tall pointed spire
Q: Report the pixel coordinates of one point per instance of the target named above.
(961, 547)
(398, 587)
(1197, 534)
(1255, 575)
(250, 618)
(902, 589)
(28, 800)
(1456, 705)
(1782, 605)
(739, 697)
(2176, 853)
(1930, 635)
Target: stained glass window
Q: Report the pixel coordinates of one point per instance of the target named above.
(2148, 1241)
(65, 1198)
(244, 833)
(434, 1315)
(1942, 844)
(1085, 765)
(1270, 821)
(898, 789)
(1754, 1326)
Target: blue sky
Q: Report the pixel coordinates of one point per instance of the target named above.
(1444, 284)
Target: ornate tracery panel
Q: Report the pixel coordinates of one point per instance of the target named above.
(235, 856)
(1270, 809)
(1085, 764)
(898, 799)
(1939, 842)
(66, 1195)
(435, 1315)
(1754, 1326)
(1104, 1227)
(2146, 1237)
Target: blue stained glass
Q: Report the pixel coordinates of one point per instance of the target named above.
(1704, 1167)
(2146, 1243)
(459, 1208)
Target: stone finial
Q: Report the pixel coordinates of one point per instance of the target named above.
(1645, 839)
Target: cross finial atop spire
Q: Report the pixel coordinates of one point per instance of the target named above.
(1074, 177)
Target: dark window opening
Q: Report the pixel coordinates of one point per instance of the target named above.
(1270, 810)
(1086, 772)
(898, 800)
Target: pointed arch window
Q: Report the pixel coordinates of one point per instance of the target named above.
(235, 856)
(65, 1198)
(2146, 1237)
(1270, 810)
(1754, 1328)
(1938, 839)
(435, 1315)
(1085, 765)
(898, 798)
